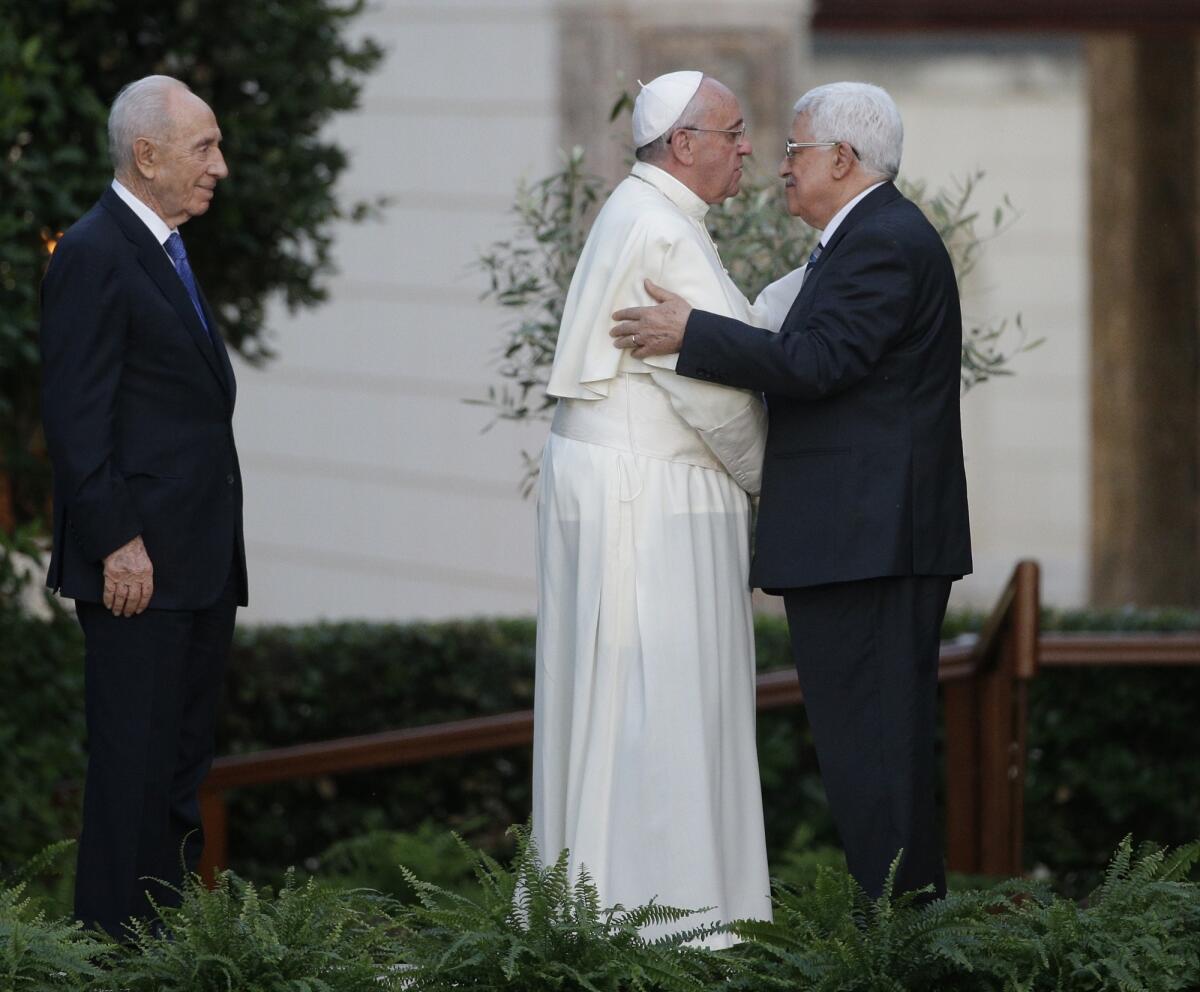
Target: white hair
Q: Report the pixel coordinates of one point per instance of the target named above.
(139, 111)
(863, 116)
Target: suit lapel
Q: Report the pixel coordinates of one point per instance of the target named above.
(864, 208)
(162, 273)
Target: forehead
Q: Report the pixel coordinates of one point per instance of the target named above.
(719, 103)
(191, 116)
(801, 128)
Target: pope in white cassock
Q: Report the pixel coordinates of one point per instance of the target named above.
(645, 764)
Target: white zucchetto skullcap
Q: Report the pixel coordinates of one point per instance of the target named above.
(660, 103)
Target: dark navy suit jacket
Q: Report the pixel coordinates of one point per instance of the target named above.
(863, 473)
(137, 403)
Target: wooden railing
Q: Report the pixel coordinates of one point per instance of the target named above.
(985, 684)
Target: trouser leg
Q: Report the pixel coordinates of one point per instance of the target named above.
(132, 670)
(202, 685)
(152, 687)
(866, 654)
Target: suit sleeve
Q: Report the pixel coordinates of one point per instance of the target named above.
(860, 311)
(82, 342)
(731, 422)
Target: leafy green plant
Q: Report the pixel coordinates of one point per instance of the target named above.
(531, 273)
(41, 711)
(373, 860)
(305, 938)
(274, 73)
(1140, 930)
(829, 936)
(37, 950)
(531, 927)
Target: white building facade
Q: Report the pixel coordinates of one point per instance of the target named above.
(372, 490)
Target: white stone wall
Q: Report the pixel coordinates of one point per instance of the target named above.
(371, 491)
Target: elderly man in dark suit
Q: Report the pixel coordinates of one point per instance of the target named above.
(138, 397)
(863, 521)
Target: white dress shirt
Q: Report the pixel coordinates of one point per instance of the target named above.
(841, 214)
(158, 226)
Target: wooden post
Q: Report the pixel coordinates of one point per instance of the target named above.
(986, 716)
(960, 702)
(1003, 712)
(214, 813)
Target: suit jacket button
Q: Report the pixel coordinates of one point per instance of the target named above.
(229, 478)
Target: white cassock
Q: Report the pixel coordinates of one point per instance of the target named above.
(645, 761)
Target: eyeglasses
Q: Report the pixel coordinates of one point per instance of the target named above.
(794, 146)
(738, 133)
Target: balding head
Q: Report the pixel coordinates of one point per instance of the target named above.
(141, 110)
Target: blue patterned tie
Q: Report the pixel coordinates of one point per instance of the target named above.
(816, 254)
(174, 246)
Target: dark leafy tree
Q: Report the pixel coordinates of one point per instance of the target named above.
(274, 72)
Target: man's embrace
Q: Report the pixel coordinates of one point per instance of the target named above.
(862, 525)
(137, 398)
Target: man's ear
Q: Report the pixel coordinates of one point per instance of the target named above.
(681, 147)
(145, 157)
(843, 160)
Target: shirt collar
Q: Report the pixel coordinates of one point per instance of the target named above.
(672, 189)
(841, 214)
(158, 227)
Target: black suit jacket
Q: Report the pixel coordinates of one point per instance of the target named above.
(137, 404)
(863, 473)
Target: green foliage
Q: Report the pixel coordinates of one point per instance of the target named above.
(530, 273)
(306, 938)
(829, 936)
(39, 952)
(275, 74)
(1140, 930)
(41, 715)
(374, 861)
(531, 927)
(1111, 751)
(289, 685)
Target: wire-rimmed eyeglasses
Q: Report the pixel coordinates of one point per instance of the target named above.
(792, 147)
(738, 132)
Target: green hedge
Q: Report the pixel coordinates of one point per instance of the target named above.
(1112, 752)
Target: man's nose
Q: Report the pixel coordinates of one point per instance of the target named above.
(785, 167)
(745, 148)
(218, 167)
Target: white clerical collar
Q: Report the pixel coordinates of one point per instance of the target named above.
(841, 214)
(671, 188)
(158, 226)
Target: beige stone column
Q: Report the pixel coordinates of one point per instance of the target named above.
(753, 46)
(1145, 403)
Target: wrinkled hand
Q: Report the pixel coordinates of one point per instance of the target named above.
(653, 330)
(128, 579)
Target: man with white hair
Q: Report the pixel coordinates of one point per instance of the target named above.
(863, 521)
(645, 764)
(137, 403)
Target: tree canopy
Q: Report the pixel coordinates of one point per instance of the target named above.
(273, 72)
